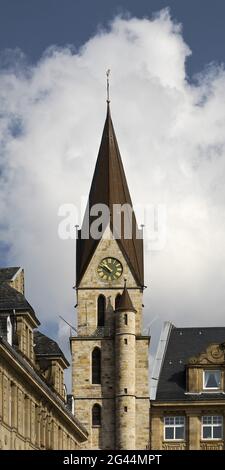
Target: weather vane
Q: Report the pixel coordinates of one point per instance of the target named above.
(107, 75)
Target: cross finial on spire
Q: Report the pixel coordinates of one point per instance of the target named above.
(107, 75)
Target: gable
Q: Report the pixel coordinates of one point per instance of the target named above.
(107, 247)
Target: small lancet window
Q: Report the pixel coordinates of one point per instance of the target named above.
(101, 310)
(96, 415)
(96, 366)
(117, 301)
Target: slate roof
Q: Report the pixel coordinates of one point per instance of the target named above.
(109, 187)
(11, 299)
(45, 346)
(6, 274)
(184, 343)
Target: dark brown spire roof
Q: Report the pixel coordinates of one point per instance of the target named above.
(109, 187)
(125, 302)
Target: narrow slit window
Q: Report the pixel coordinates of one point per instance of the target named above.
(117, 301)
(101, 310)
(96, 415)
(96, 366)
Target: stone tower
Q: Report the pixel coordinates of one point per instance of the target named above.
(109, 353)
(125, 383)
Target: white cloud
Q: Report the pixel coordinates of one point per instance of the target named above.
(172, 139)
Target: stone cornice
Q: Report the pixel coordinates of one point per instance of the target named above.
(187, 404)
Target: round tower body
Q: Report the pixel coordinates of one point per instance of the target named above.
(125, 379)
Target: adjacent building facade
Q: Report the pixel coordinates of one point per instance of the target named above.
(188, 390)
(33, 411)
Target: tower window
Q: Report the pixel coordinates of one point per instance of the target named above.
(96, 415)
(96, 366)
(125, 390)
(125, 341)
(117, 301)
(101, 310)
(125, 319)
(125, 409)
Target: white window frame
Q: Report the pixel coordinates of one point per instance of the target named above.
(174, 426)
(212, 425)
(204, 379)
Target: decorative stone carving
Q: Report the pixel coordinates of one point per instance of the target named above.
(174, 446)
(214, 354)
(212, 445)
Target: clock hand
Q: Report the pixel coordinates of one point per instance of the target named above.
(109, 269)
(103, 265)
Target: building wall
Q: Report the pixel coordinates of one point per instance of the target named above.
(87, 394)
(193, 430)
(25, 334)
(28, 420)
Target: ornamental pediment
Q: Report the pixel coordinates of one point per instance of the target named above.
(214, 354)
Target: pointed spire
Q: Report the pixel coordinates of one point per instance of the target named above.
(125, 303)
(107, 75)
(109, 187)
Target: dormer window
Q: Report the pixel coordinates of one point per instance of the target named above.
(211, 379)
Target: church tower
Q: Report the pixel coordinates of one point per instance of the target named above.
(109, 353)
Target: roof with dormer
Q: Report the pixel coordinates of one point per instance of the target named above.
(109, 187)
(10, 298)
(181, 346)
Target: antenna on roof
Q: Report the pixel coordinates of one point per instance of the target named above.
(71, 326)
(107, 75)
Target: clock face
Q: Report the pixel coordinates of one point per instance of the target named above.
(109, 269)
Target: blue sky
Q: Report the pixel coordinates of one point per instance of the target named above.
(33, 25)
(170, 128)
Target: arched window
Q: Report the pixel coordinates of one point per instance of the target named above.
(101, 310)
(96, 366)
(117, 301)
(96, 415)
